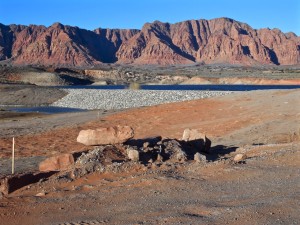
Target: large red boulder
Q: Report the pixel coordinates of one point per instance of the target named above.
(57, 163)
(106, 136)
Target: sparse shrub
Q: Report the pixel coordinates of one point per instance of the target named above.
(134, 86)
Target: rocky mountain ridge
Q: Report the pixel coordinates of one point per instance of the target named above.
(221, 40)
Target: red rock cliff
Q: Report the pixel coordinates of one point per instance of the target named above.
(211, 41)
(220, 40)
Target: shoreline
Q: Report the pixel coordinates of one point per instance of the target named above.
(125, 99)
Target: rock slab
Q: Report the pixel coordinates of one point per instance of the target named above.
(57, 163)
(106, 136)
(192, 134)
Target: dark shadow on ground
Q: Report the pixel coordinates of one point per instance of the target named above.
(150, 148)
(219, 151)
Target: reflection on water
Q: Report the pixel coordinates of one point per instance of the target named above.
(46, 109)
(204, 87)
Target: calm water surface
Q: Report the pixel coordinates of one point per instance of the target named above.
(204, 87)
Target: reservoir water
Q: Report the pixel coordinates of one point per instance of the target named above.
(46, 109)
(202, 87)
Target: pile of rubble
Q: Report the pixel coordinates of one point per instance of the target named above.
(114, 149)
(116, 145)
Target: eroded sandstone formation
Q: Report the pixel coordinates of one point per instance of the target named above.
(221, 40)
(60, 45)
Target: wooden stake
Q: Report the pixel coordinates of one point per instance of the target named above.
(13, 157)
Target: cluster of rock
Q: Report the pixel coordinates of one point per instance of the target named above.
(115, 149)
(116, 144)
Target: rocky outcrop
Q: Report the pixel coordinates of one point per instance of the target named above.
(60, 45)
(55, 45)
(111, 40)
(221, 40)
(153, 45)
(283, 49)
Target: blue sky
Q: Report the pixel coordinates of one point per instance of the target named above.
(91, 14)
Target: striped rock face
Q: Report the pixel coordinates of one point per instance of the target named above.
(220, 40)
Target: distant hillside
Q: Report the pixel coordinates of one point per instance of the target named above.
(219, 40)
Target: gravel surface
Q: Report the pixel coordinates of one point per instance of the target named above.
(121, 99)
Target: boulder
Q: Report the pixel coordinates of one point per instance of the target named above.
(199, 157)
(106, 136)
(181, 156)
(173, 150)
(196, 139)
(192, 134)
(133, 155)
(57, 163)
